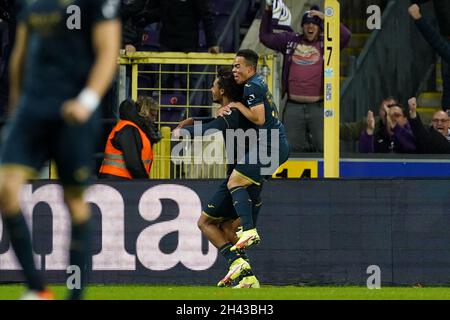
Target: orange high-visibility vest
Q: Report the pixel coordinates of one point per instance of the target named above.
(114, 163)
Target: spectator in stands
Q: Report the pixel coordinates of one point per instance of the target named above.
(128, 151)
(180, 26)
(133, 16)
(7, 35)
(302, 78)
(435, 138)
(439, 43)
(180, 21)
(351, 131)
(395, 136)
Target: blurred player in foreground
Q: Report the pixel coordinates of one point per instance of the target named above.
(61, 66)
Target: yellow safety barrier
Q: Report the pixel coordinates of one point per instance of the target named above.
(296, 169)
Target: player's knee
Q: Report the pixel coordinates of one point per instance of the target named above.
(9, 193)
(202, 222)
(232, 183)
(236, 181)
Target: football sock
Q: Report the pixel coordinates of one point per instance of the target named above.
(80, 255)
(21, 243)
(230, 256)
(254, 192)
(243, 255)
(243, 206)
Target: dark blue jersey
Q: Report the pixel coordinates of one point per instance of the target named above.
(256, 92)
(59, 48)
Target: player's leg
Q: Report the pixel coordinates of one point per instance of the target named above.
(79, 253)
(246, 278)
(22, 155)
(254, 192)
(219, 209)
(11, 181)
(75, 167)
(237, 265)
(210, 228)
(237, 185)
(230, 229)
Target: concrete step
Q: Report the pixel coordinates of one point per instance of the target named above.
(356, 25)
(439, 85)
(438, 71)
(430, 100)
(351, 51)
(358, 40)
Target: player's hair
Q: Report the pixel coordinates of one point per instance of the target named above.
(250, 56)
(226, 82)
(145, 105)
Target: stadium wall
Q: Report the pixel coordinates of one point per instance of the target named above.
(314, 232)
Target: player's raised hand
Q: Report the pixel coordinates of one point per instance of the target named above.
(73, 112)
(412, 103)
(414, 12)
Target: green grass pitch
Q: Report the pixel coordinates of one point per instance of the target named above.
(144, 292)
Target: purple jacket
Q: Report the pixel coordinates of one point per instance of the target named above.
(402, 141)
(286, 43)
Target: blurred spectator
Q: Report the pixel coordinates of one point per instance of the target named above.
(302, 78)
(351, 131)
(395, 135)
(434, 138)
(133, 15)
(439, 43)
(7, 35)
(442, 11)
(180, 26)
(128, 151)
(180, 21)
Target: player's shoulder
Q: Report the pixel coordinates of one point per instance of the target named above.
(255, 84)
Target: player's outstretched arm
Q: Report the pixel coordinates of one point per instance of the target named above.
(17, 65)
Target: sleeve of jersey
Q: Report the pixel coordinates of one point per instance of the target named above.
(103, 10)
(253, 95)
